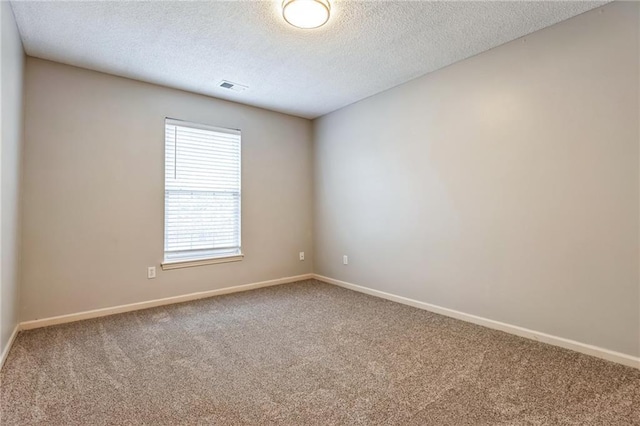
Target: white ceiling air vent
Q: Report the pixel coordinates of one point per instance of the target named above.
(233, 86)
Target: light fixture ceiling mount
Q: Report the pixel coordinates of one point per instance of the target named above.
(306, 14)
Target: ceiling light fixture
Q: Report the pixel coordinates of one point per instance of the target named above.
(306, 14)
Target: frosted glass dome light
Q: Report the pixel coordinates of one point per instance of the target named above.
(306, 14)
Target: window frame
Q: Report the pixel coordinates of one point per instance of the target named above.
(186, 262)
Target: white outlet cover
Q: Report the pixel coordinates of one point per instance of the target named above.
(151, 272)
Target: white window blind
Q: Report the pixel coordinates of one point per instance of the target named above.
(202, 192)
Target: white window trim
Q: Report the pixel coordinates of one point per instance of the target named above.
(169, 264)
(189, 263)
(176, 122)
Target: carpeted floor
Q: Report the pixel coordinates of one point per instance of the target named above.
(303, 353)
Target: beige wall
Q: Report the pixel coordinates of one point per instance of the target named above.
(93, 191)
(12, 64)
(504, 186)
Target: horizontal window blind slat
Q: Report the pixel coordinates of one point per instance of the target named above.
(199, 167)
(186, 134)
(201, 236)
(203, 222)
(199, 128)
(183, 149)
(194, 184)
(188, 138)
(203, 192)
(195, 208)
(208, 242)
(201, 242)
(193, 155)
(205, 179)
(196, 151)
(205, 143)
(208, 163)
(189, 227)
(199, 202)
(193, 226)
(193, 173)
(189, 244)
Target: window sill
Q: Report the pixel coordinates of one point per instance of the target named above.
(189, 263)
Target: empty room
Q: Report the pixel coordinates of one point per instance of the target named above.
(320, 212)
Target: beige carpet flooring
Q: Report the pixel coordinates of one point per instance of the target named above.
(303, 353)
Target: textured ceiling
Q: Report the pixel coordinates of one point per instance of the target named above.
(365, 48)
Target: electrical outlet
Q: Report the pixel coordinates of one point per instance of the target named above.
(301, 255)
(345, 260)
(151, 272)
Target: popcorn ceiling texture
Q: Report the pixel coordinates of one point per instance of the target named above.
(304, 353)
(365, 48)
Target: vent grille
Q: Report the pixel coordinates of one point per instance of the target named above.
(228, 85)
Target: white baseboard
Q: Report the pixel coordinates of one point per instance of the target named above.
(96, 313)
(5, 351)
(584, 348)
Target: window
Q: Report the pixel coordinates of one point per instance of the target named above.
(201, 194)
